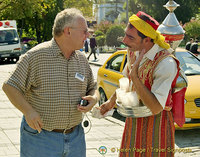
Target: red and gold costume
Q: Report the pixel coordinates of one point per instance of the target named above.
(153, 135)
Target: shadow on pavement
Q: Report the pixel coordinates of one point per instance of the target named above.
(187, 138)
(118, 116)
(7, 62)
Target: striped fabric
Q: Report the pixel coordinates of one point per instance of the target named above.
(149, 136)
(48, 81)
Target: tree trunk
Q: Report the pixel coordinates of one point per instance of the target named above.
(37, 28)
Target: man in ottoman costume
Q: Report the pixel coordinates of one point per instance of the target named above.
(153, 71)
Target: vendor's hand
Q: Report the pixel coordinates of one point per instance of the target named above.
(105, 107)
(135, 66)
(92, 100)
(132, 57)
(34, 121)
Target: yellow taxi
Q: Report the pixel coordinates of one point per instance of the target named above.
(111, 72)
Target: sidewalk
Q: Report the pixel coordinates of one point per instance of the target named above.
(105, 133)
(101, 58)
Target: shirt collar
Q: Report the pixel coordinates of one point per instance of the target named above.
(57, 52)
(152, 52)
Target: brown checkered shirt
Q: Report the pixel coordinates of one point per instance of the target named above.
(47, 80)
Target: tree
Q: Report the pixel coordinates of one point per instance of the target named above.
(38, 15)
(18, 9)
(84, 5)
(100, 38)
(112, 15)
(100, 41)
(193, 29)
(104, 26)
(187, 9)
(98, 33)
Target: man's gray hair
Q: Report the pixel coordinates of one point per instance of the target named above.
(65, 18)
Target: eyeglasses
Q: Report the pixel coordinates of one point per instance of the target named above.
(85, 30)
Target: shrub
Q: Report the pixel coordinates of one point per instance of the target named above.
(193, 29)
(32, 43)
(104, 26)
(113, 34)
(100, 40)
(98, 33)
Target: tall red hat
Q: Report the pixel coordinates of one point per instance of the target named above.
(154, 25)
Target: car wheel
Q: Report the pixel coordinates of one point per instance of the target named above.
(103, 97)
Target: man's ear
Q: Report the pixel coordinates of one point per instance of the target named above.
(67, 31)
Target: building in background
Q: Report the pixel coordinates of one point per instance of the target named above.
(109, 11)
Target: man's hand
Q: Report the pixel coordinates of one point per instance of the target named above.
(105, 107)
(92, 100)
(135, 66)
(132, 56)
(34, 121)
(18, 100)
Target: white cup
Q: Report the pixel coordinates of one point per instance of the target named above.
(133, 99)
(124, 84)
(120, 94)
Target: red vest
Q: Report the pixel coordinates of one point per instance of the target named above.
(175, 101)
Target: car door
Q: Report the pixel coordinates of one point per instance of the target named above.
(112, 74)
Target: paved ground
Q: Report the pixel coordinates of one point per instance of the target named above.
(105, 132)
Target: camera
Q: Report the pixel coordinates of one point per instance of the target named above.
(83, 102)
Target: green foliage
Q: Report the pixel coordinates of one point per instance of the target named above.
(38, 15)
(84, 5)
(100, 40)
(122, 19)
(98, 33)
(186, 10)
(32, 43)
(104, 26)
(113, 34)
(193, 29)
(112, 15)
(30, 34)
(18, 9)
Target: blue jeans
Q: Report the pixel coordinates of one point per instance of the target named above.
(51, 144)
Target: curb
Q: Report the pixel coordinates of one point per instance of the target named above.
(115, 121)
(95, 63)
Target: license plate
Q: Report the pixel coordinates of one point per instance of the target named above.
(6, 55)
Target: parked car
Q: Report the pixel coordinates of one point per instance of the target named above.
(111, 72)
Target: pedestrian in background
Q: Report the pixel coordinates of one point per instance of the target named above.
(188, 44)
(194, 47)
(93, 46)
(47, 85)
(87, 42)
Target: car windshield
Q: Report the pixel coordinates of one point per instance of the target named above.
(189, 63)
(8, 37)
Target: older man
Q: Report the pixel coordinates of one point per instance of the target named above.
(153, 71)
(46, 87)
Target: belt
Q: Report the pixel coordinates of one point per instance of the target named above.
(64, 131)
